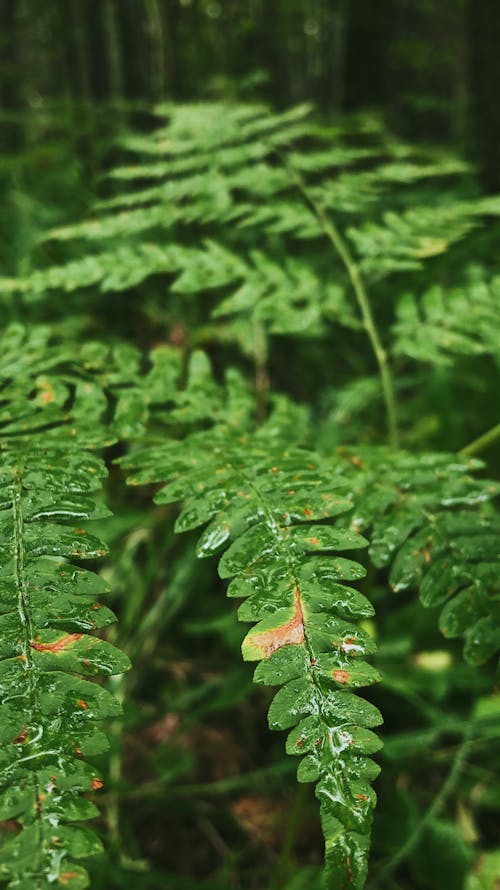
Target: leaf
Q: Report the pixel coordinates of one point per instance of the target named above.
(48, 606)
(263, 502)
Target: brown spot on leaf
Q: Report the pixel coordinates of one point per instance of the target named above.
(341, 676)
(290, 633)
(21, 737)
(307, 512)
(57, 645)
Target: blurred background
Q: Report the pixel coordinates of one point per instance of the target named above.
(431, 66)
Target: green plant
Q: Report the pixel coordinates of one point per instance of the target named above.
(50, 710)
(324, 477)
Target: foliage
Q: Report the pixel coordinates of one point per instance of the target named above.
(209, 324)
(48, 478)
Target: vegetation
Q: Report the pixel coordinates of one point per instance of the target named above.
(289, 328)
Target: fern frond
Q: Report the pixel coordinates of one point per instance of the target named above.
(436, 526)
(49, 607)
(272, 510)
(402, 241)
(228, 173)
(442, 326)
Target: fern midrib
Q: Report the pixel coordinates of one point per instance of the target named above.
(337, 762)
(24, 611)
(340, 246)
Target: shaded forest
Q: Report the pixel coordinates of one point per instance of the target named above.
(432, 67)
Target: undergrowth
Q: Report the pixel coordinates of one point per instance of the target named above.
(290, 330)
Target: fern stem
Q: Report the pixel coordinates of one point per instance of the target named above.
(340, 245)
(482, 442)
(24, 611)
(261, 372)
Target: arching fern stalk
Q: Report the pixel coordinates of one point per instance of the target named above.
(48, 606)
(272, 510)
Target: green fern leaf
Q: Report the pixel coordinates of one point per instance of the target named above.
(443, 326)
(436, 526)
(271, 510)
(51, 708)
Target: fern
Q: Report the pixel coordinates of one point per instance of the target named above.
(263, 503)
(442, 326)
(236, 210)
(270, 507)
(437, 528)
(49, 607)
(231, 172)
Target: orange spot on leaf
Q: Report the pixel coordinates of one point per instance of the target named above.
(307, 512)
(290, 633)
(46, 392)
(21, 736)
(57, 645)
(82, 704)
(96, 784)
(341, 676)
(313, 540)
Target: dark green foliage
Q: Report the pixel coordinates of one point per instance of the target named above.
(49, 608)
(210, 324)
(262, 502)
(436, 527)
